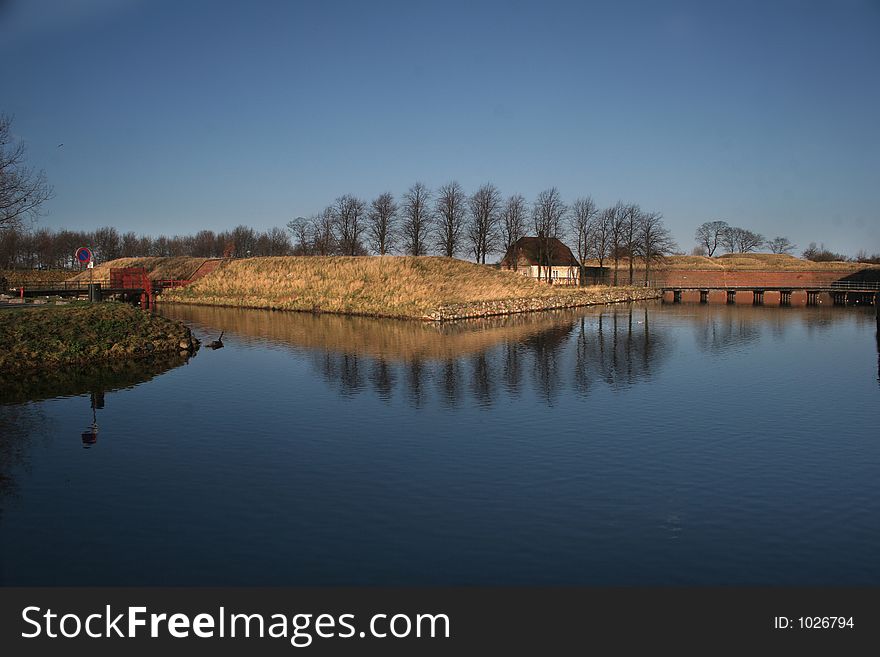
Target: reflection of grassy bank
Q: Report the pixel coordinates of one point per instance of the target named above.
(76, 334)
(387, 286)
(365, 336)
(44, 383)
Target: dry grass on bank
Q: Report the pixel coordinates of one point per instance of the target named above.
(16, 277)
(178, 267)
(386, 286)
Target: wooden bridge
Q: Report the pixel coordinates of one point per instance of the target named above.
(838, 293)
(129, 283)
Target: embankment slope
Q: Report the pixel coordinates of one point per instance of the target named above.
(425, 287)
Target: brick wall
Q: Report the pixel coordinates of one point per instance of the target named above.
(714, 278)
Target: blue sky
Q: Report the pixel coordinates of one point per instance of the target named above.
(177, 116)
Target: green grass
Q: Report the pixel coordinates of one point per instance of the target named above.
(54, 336)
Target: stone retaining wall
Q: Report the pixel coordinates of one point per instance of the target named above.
(513, 306)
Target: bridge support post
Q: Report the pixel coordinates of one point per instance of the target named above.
(704, 296)
(812, 298)
(95, 293)
(676, 296)
(785, 297)
(757, 297)
(731, 297)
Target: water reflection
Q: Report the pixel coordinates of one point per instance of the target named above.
(484, 361)
(479, 362)
(94, 379)
(23, 422)
(582, 447)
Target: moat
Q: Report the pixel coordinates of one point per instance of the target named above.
(643, 444)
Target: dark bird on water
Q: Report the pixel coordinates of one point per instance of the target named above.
(218, 343)
(59, 145)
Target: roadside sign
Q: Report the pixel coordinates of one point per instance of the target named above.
(84, 255)
(91, 264)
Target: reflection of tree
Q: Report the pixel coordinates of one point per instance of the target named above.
(415, 382)
(451, 381)
(544, 348)
(613, 345)
(620, 350)
(725, 328)
(350, 374)
(382, 377)
(482, 383)
(512, 367)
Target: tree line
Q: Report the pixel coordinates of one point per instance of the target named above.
(453, 223)
(713, 235)
(448, 222)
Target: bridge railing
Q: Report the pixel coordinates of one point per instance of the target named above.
(855, 285)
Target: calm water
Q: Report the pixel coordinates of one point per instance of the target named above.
(650, 445)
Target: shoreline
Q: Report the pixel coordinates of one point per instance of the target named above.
(596, 296)
(75, 335)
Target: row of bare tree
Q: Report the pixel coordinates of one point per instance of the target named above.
(447, 222)
(712, 235)
(50, 249)
(622, 231)
(451, 222)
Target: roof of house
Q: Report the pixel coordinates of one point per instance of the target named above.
(529, 249)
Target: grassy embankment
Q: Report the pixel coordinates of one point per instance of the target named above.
(16, 277)
(431, 288)
(54, 336)
(177, 267)
(729, 262)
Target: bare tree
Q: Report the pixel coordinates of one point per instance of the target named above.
(482, 232)
(130, 245)
(277, 242)
(513, 224)
(711, 235)
(450, 212)
(348, 218)
(244, 237)
(300, 232)
(323, 236)
(548, 212)
(616, 234)
(654, 241)
(821, 254)
(22, 189)
(416, 219)
(106, 244)
(740, 240)
(582, 220)
(781, 245)
(382, 217)
(600, 237)
(631, 217)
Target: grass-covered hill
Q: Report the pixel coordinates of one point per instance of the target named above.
(386, 286)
